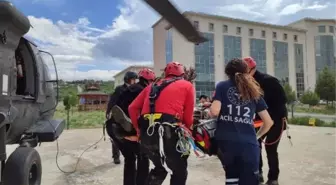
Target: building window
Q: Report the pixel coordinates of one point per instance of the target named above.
(263, 33)
(169, 46)
(295, 38)
(280, 56)
(321, 29)
(211, 27)
(238, 30)
(299, 69)
(196, 25)
(225, 28)
(285, 36)
(331, 29)
(251, 32)
(274, 35)
(205, 66)
(232, 48)
(258, 52)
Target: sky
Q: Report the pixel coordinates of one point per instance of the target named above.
(97, 39)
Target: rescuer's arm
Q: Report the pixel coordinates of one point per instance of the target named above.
(216, 104)
(134, 109)
(112, 101)
(261, 109)
(189, 104)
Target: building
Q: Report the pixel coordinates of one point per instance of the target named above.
(320, 47)
(281, 51)
(92, 98)
(119, 77)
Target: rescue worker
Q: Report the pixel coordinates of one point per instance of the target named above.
(134, 173)
(164, 108)
(235, 102)
(129, 79)
(275, 98)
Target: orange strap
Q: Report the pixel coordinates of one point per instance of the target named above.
(258, 123)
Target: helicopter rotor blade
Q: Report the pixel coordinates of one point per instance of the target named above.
(169, 12)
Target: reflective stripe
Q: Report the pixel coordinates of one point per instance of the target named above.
(232, 181)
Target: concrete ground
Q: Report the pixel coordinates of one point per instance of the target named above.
(311, 161)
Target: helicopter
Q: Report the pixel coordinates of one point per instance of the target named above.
(29, 97)
(27, 100)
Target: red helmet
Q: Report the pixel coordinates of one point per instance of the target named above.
(174, 68)
(147, 74)
(250, 62)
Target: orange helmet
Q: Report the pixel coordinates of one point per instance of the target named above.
(147, 74)
(174, 68)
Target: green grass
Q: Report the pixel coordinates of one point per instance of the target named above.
(305, 121)
(321, 109)
(89, 119)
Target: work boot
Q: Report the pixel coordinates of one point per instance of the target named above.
(272, 182)
(121, 118)
(116, 161)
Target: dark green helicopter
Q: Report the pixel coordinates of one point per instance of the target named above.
(28, 95)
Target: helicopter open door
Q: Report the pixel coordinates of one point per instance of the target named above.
(25, 77)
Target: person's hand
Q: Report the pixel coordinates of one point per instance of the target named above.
(132, 138)
(207, 104)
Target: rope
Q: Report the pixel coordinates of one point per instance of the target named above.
(184, 144)
(278, 139)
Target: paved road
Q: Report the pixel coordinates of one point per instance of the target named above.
(324, 117)
(311, 161)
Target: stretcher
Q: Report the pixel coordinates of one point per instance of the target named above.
(204, 130)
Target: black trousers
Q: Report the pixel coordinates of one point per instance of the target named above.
(136, 165)
(115, 151)
(240, 162)
(175, 161)
(272, 150)
(109, 130)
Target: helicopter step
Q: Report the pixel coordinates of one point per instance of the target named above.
(47, 130)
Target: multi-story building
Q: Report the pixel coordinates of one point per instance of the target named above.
(279, 50)
(320, 46)
(119, 77)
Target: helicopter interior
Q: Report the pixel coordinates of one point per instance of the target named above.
(25, 71)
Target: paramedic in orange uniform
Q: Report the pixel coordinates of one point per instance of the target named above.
(173, 99)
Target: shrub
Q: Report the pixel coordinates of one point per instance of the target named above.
(305, 121)
(310, 98)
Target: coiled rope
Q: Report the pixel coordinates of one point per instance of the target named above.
(184, 144)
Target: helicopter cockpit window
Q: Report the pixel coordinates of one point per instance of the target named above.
(25, 71)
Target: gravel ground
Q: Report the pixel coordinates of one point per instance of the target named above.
(311, 161)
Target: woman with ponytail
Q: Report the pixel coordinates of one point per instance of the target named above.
(235, 103)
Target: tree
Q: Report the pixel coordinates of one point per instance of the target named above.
(310, 98)
(325, 85)
(291, 97)
(69, 101)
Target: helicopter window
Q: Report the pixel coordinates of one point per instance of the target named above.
(25, 71)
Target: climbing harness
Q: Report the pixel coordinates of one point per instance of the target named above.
(185, 140)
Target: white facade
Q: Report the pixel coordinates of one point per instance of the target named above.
(119, 77)
(184, 51)
(312, 27)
